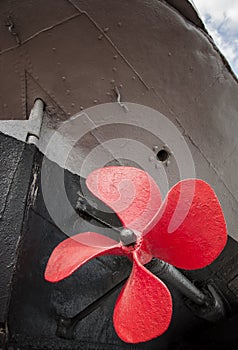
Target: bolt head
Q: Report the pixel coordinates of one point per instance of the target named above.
(127, 237)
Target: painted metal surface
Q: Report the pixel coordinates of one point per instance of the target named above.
(144, 307)
(197, 239)
(37, 306)
(16, 177)
(73, 54)
(130, 192)
(26, 130)
(174, 68)
(66, 257)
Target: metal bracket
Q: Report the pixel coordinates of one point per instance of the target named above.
(66, 326)
(26, 130)
(206, 302)
(213, 309)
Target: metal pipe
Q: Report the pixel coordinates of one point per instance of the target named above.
(38, 108)
(35, 119)
(170, 274)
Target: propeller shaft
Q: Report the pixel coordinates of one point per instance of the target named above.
(171, 275)
(208, 304)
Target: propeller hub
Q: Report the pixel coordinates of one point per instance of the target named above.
(128, 237)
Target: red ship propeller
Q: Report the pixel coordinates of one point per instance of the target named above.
(143, 309)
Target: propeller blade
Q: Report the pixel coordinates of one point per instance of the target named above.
(75, 251)
(190, 231)
(143, 309)
(130, 192)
